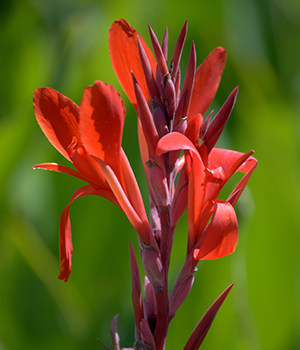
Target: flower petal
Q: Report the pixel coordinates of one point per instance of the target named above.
(102, 115)
(141, 227)
(133, 191)
(65, 236)
(124, 54)
(221, 235)
(58, 117)
(207, 80)
(230, 161)
(60, 169)
(175, 141)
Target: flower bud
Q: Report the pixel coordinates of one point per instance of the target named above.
(153, 267)
(159, 185)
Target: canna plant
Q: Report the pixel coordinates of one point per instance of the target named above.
(184, 169)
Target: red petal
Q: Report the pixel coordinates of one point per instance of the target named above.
(124, 54)
(133, 191)
(193, 128)
(207, 80)
(58, 117)
(230, 161)
(65, 236)
(221, 235)
(60, 169)
(102, 115)
(175, 141)
(141, 227)
(203, 326)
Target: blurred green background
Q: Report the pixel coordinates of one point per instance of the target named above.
(63, 44)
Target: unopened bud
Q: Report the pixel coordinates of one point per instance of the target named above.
(159, 117)
(159, 185)
(153, 267)
(170, 96)
(179, 294)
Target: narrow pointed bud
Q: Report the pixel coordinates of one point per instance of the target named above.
(188, 85)
(159, 82)
(153, 267)
(177, 87)
(162, 64)
(164, 44)
(136, 291)
(180, 197)
(203, 326)
(178, 52)
(146, 118)
(114, 332)
(147, 337)
(204, 127)
(236, 193)
(218, 123)
(149, 76)
(158, 184)
(150, 305)
(180, 293)
(170, 96)
(155, 220)
(159, 117)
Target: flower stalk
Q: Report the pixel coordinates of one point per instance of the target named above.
(170, 122)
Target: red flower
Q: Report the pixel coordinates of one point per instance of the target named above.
(208, 174)
(155, 93)
(90, 137)
(129, 53)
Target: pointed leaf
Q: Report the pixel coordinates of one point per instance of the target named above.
(203, 326)
(217, 125)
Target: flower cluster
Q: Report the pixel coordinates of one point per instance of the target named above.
(184, 169)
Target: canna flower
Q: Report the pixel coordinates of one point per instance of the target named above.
(171, 120)
(90, 137)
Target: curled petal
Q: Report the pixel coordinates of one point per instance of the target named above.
(60, 169)
(221, 235)
(175, 141)
(65, 236)
(230, 161)
(102, 115)
(124, 54)
(58, 117)
(207, 80)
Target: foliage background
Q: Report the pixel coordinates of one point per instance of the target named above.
(63, 44)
